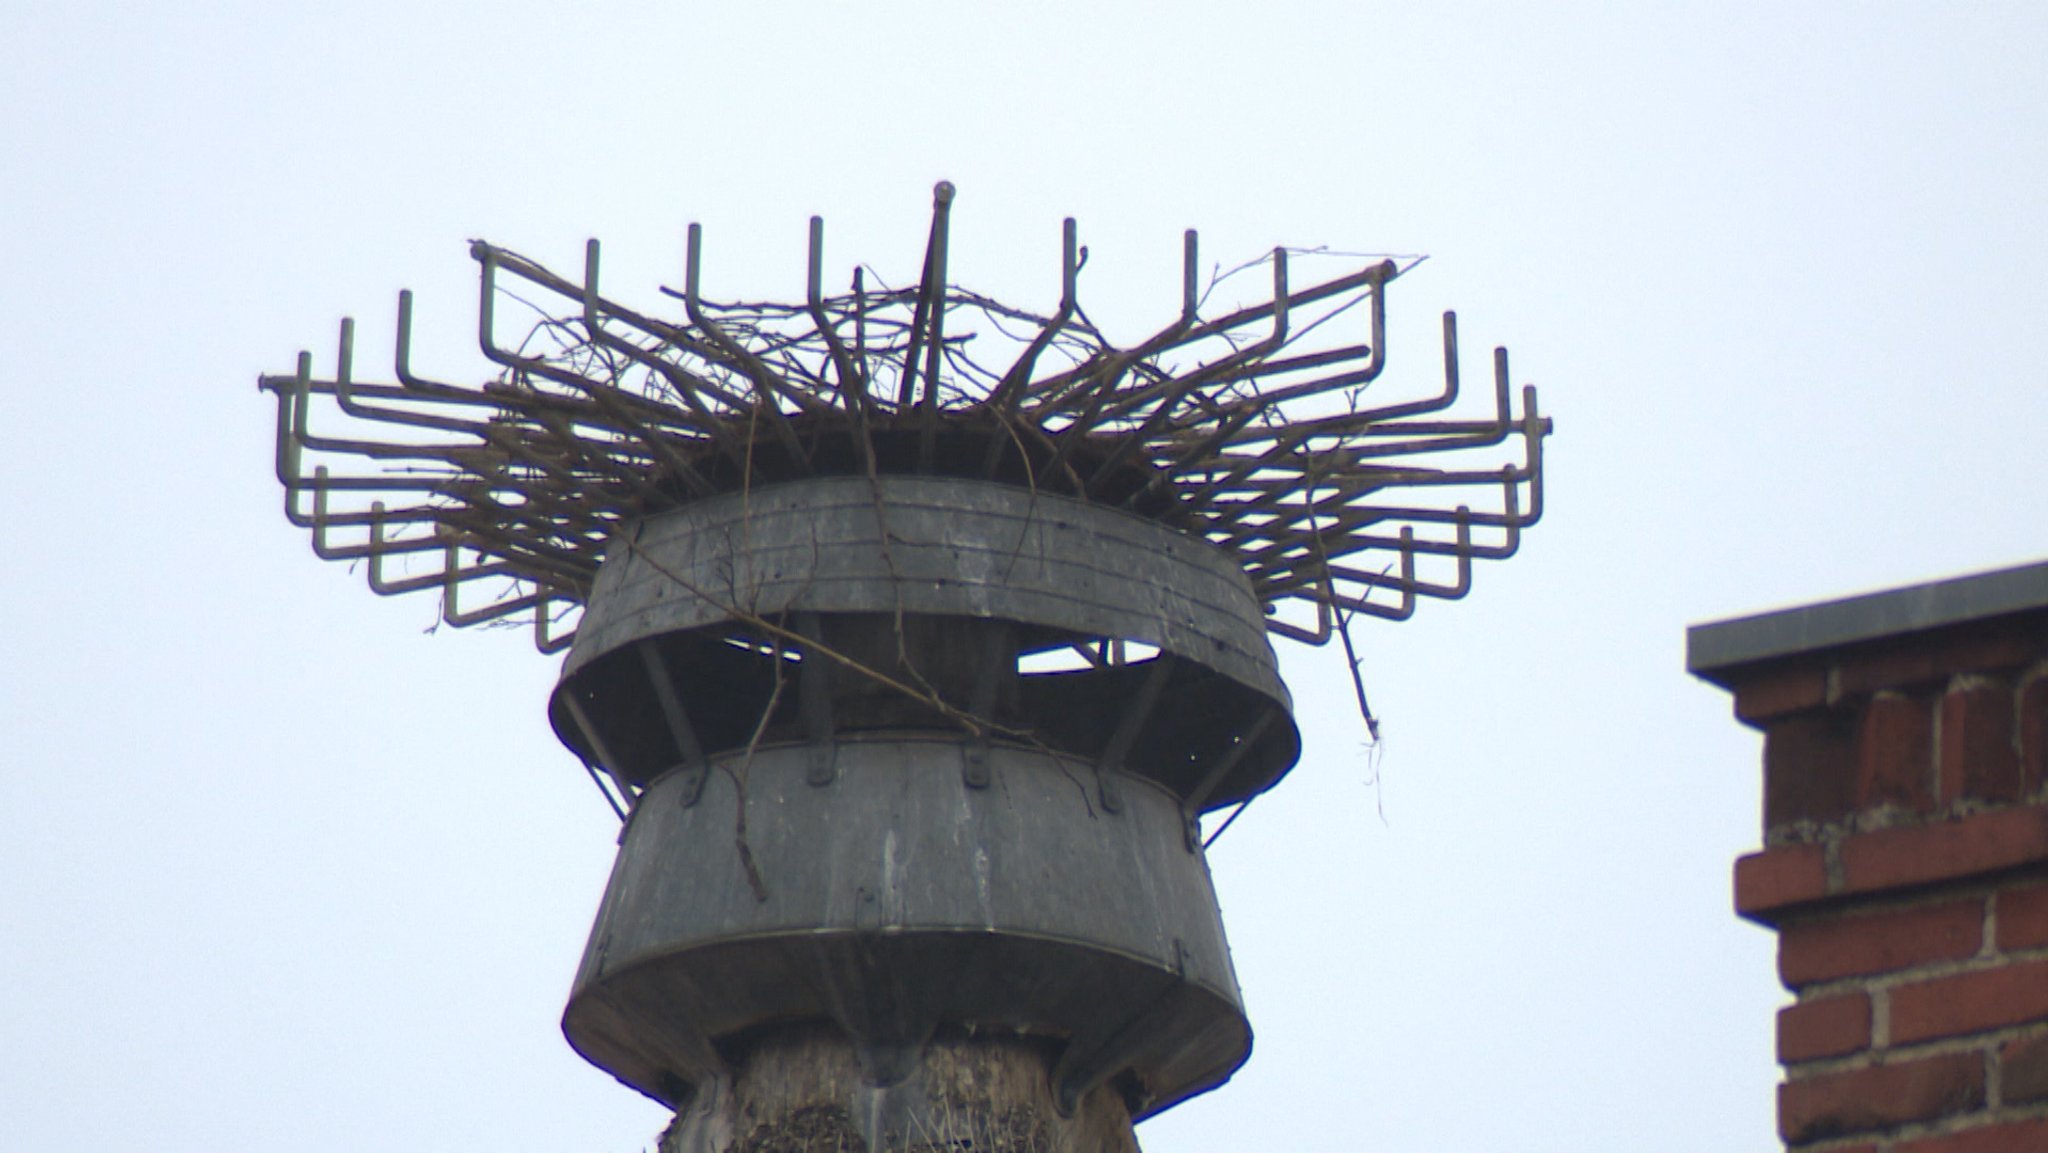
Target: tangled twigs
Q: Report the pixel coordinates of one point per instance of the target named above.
(755, 884)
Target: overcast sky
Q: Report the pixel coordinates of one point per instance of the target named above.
(280, 867)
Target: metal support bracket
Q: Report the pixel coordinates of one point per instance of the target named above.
(1089, 1062)
(1191, 806)
(605, 760)
(1127, 729)
(814, 700)
(982, 706)
(689, 753)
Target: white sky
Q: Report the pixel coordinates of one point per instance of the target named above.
(279, 871)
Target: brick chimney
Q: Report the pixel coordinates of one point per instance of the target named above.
(1905, 859)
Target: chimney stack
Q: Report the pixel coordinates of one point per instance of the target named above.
(1905, 859)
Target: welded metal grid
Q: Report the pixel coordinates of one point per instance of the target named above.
(1259, 429)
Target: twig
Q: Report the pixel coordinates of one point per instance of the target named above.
(739, 784)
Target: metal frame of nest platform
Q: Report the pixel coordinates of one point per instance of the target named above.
(1259, 430)
(914, 635)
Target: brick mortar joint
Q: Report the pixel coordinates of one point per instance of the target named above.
(1994, 1069)
(1937, 783)
(1985, 960)
(1881, 1053)
(1963, 682)
(2025, 678)
(1885, 1058)
(1885, 816)
(1899, 1138)
(2022, 684)
(1833, 844)
(1880, 1020)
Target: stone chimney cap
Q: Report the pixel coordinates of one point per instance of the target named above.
(1715, 650)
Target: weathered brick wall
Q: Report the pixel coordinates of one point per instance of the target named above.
(1906, 871)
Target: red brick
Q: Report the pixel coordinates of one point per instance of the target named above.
(1809, 769)
(1970, 1003)
(1922, 659)
(1978, 758)
(1772, 693)
(1981, 843)
(1879, 1097)
(2023, 917)
(2018, 1137)
(2034, 735)
(1879, 942)
(1895, 753)
(1830, 1027)
(2024, 1066)
(1779, 878)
